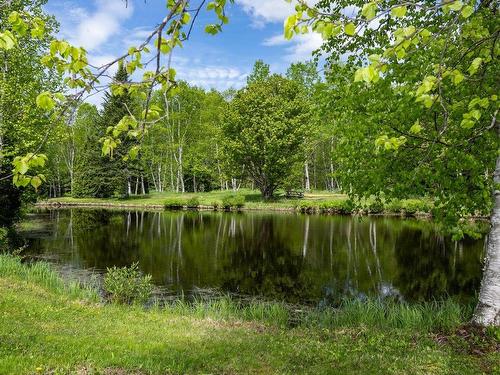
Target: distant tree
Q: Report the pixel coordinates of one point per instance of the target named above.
(265, 128)
(98, 176)
(306, 75)
(260, 72)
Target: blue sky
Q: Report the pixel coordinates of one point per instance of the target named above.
(106, 28)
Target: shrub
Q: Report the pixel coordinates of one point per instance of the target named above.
(413, 206)
(174, 204)
(375, 207)
(193, 202)
(233, 201)
(215, 205)
(341, 206)
(127, 285)
(306, 206)
(394, 206)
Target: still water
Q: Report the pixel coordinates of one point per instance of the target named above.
(290, 257)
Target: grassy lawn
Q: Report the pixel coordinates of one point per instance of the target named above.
(48, 326)
(311, 202)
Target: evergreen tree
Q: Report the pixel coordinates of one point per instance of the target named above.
(103, 176)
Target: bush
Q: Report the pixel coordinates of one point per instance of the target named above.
(340, 206)
(306, 206)
(174, 204)
(233, 201)
(413, 206)
(128, 285)
(193, 202)
(215, 205)
(375, 207)
(394, 206)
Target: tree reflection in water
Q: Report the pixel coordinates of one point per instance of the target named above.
(295, 258)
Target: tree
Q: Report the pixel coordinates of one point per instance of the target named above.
(22, 124)
(260, 72)
(434, 66)
(265, 128)
(102, 176)
(306, 75)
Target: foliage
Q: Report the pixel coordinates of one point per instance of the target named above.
(127, 285)
(97, 175)
(416, 103)
(174, 203)
(264, 129)
(193, 202)
(233, 201)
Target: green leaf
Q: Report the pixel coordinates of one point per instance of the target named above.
(7, 40)
(467, 124)
(467, 11)
(457, 77)
(369, 10)
(474, 66)
(398, 11)
(45, 101)
(36, 182)
(350, 29)
(185, 18)
(416, 128)
(456, 5)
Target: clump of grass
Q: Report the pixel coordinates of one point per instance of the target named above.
(227, 308)
(174, 204)
(415, 206)
(425, 316)
(128, 285)
(337, 206)
(193, 202)
(215, 205)
(306, 206)
(42, 274)
(233, 201)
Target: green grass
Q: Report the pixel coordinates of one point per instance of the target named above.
(325, 202)
(50, 327)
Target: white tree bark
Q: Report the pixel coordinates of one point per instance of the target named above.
(488, 307)
(306, 172)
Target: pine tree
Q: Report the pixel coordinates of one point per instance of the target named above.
(103, 176)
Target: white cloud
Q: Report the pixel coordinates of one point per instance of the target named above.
(91, 29)
(299, 48)
(218, 77)
(266, 11)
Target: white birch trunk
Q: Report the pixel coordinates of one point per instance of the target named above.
(306, 172)
(488, 307)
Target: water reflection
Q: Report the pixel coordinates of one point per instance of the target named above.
(296, 258)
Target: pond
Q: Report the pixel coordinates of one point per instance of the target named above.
(278, 256)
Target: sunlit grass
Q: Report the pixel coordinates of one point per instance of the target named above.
(50, 327)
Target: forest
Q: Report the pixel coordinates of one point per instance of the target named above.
(389, 131)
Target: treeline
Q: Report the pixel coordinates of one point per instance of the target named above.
(268, 135)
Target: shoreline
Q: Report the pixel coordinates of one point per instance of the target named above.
(291, 209)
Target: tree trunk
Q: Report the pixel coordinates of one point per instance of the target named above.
(194, 182)
(488, 307)
(306, 172)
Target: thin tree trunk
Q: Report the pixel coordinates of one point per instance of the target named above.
(488, 307)
(306, 172)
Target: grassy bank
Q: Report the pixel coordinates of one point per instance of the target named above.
(325, 202)
(49, 326)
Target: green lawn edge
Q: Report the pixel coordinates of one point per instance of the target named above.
(52, 327)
